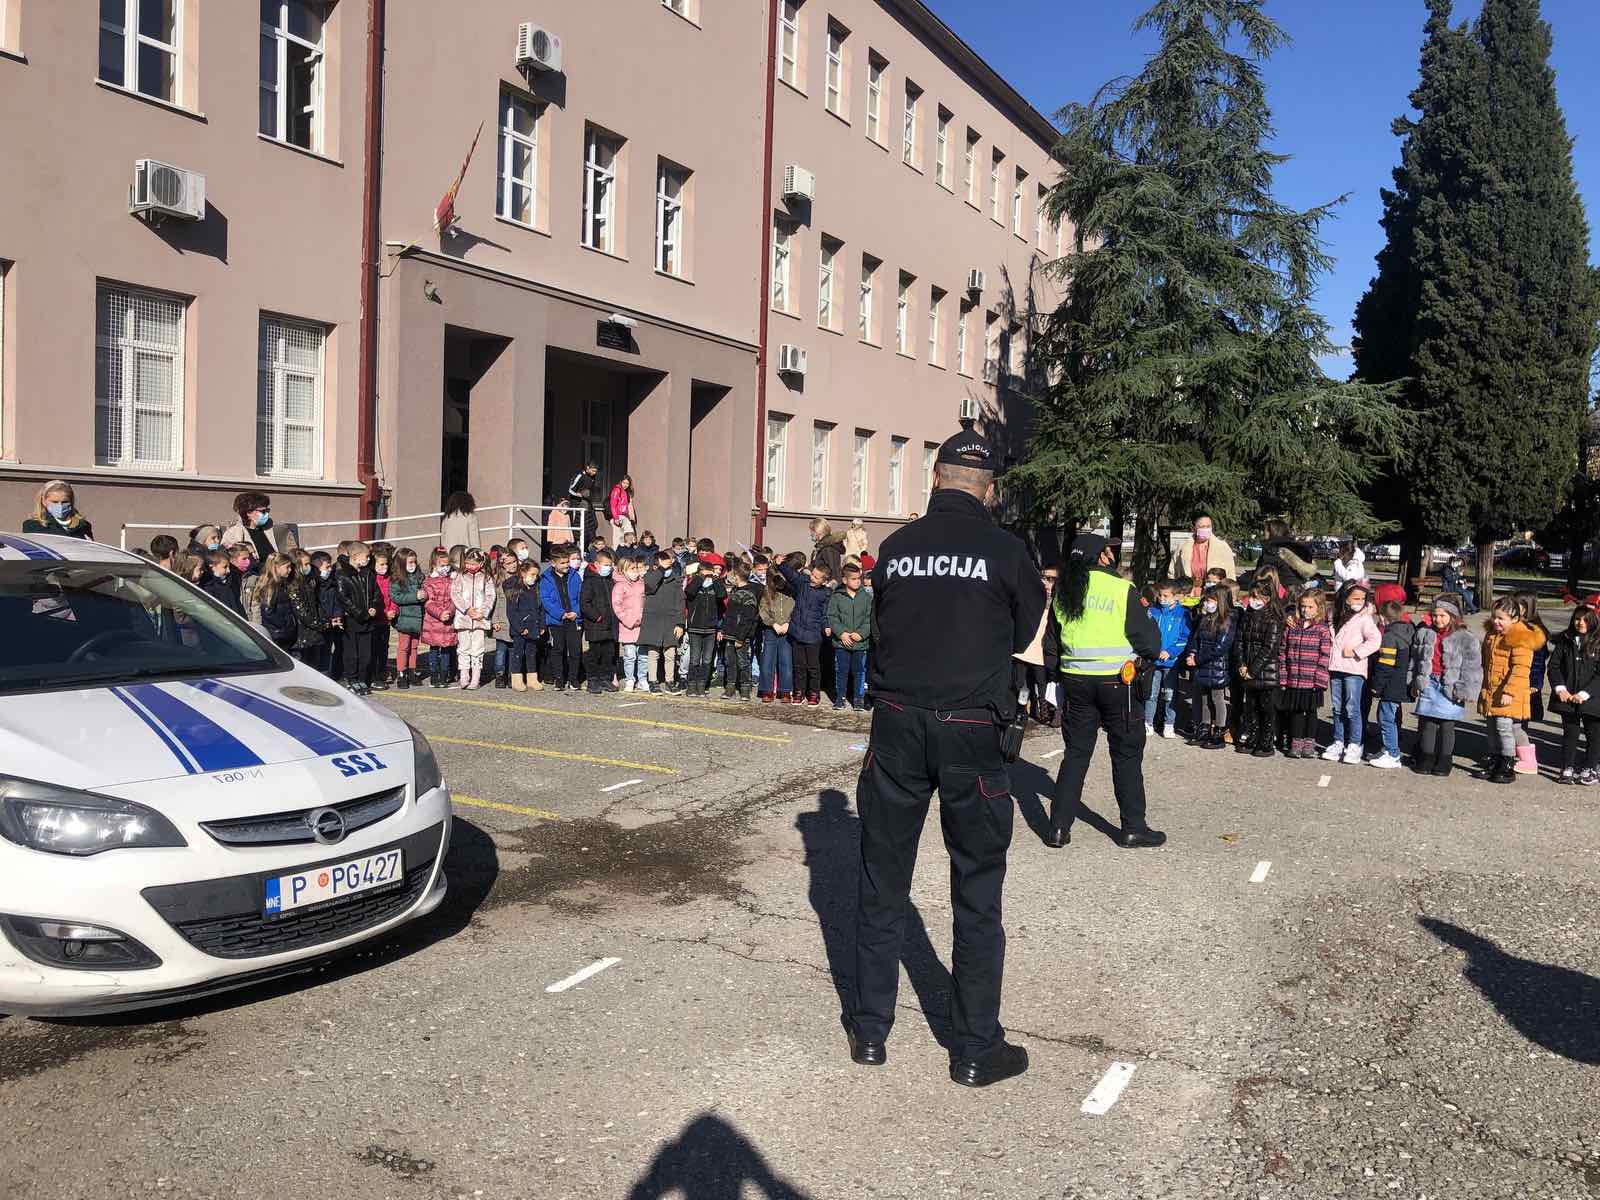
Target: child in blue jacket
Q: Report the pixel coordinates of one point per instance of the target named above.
(1172, 619)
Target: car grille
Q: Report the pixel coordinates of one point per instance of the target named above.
(293, 828)
(223, 917)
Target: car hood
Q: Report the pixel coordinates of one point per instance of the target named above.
(103, 737)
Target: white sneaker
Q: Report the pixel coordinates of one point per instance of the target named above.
(1385, 762)
(1334, 752)
(1352, 754)
(627, 685)
(1170, 732)
(1149, 731)
(644, 687)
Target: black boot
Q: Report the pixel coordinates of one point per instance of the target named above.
(1505, 772)
(1213, 738)
(502, 678)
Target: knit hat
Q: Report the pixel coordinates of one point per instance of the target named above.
(1386, 592)
(1448, 606)
(712, 560)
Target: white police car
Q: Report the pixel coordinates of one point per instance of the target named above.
(183, 808)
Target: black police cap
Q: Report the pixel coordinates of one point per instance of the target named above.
(969, 448)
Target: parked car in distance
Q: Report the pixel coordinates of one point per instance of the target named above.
(1523, 558)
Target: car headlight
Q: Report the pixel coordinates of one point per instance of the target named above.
(424, 764)
(58, 820)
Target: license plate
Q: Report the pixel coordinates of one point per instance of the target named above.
(332, 882)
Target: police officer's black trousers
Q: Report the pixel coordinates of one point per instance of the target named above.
(1088, 705)
(912, 752)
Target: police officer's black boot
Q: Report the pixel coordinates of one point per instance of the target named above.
(1057, 838)
(863, 1052)
(1005, 1061)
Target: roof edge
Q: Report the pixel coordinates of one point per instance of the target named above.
(1034, 121)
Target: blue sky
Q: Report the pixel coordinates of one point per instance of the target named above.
(1334, 91)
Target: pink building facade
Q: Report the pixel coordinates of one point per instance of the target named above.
(622, 238)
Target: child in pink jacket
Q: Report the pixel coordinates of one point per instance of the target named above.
(438, 617)
(1356, 638)
(627, 601)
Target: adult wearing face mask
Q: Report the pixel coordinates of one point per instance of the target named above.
(253, 511)
(1190, 563)
(55, 511)
(560, 589)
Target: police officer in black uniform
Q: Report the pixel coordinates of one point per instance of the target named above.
(954, 597)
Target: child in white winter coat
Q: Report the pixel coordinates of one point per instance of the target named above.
(473, 593)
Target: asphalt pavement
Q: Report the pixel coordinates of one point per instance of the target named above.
(1333, 982)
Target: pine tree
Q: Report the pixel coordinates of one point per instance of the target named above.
(1488, 247)
(1183, 361)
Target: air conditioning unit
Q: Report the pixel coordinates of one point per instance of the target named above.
(799, 183)
(976, 280)
(537, 48)
(791, 359)
(163, 190)
(967, 410)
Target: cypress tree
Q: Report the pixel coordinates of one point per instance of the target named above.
(1182, 363)
(1488, 242)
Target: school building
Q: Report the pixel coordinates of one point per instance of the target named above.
(760, 257)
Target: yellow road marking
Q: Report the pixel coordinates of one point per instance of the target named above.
(560, 712)
(561, 754)
(503, 807)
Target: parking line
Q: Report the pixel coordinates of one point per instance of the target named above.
(1099, 1101)
(586, 716)
(588, 972)
(625, 783)
(634, 704)
(1259, 875)
(501, 806)
(1324, 781)
(1056, 753)
(440, 739)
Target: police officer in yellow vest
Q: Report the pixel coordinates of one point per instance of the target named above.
(1098, 630)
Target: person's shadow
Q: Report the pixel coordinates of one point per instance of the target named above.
(711, 1160)
(1554, 1007)
(832, 837)
(1034, 789)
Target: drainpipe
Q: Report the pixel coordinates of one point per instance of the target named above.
(759, 525)
(372, 169)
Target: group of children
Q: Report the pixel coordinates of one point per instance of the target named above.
(681, 618)
(1258, 660)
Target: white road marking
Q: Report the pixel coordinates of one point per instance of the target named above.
(591, 970)
(858, 749)
(633, 704)
(1056, 753)
(1099, 1101)
(619, 786)
(1259, 875)
(1323, 782)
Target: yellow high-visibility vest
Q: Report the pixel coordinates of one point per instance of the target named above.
(1097, 642)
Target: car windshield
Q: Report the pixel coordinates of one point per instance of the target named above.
(79, 624)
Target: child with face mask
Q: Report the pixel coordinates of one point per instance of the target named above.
(361, 603)
(560, 588)
(438, 617)
(329, 608)
(1209, 653)
(525, 615)
(1256, 649)
(505, 582)
(600, 623)
(1173, 621)
(405, 590)
(627, 603)
(1303, 671)
(473, 594)
(1507, 692)
(383, 623)
(1356, 639)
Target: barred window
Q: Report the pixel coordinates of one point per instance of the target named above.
(289, 398)
(138, 379)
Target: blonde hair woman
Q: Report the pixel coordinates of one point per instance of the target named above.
(855, 539)
(55, 511)
(827, 546)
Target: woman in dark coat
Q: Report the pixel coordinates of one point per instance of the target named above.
(1280, 549)
(55, 511)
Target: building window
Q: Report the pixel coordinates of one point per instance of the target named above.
(941, 150)
(516, 191)
(930, 454)
(969, 169)
(289, 398)
(671, 182)
(139, 46)
(599, 189)
(1044, 218)
(908, 147)
(991, 347)
(830, 250)
(860, 483)
(875, 69)
(995, 200)
(821, 449)
(777, 457)
(789, 42)
(138, 379)
(833, 83)
(961, 337)
(902, 314)
(783, 231)
(292, 60)
(869, 276)
(681, 7)
(935, 305)
(897, 459)
(1061, 224)
(595, 438)
(1015, 347)
(1016, 201)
